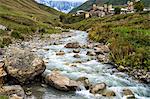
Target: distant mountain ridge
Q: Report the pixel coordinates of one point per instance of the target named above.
(88, 4)
(64, 6)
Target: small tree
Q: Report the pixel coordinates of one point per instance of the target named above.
(117, 10)
(139, 6)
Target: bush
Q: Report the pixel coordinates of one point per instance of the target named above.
(117, 10)
(6, 41)
(17, 35)
(139, 6)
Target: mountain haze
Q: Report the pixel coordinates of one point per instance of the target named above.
(61, 5)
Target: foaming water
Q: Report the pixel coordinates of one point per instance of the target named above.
(89, 67)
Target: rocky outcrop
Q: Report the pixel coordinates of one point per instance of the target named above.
(13, 92)
(23, 65)
(60, 82)
(73, 45)
(98, 88)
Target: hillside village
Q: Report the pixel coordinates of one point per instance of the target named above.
(108, 9)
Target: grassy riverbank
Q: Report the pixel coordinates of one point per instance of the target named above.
(128, 37)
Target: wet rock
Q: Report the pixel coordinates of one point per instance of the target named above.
(127, 92)
(103, 58)
(76, 51)
(109, 93)
(46, 49)
(102, 49)
(121, 68)
(98, 88)
(2, 73)
(85, 81)
(72, 45)
(91, 53)
(60, 82)
(23, 65)
(76, 56)
(60, 53)
(14, 92)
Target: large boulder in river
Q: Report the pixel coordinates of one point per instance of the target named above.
(73, 45)
(13, 92)
(98, 88)
(22, 65)
(60, 82)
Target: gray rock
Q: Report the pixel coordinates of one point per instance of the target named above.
(91, 53)
(76, 51)
(60, 82)
(76, 56)
(23, 65)
(60, 53)
(72, 45)
(98, 88)
(85, 81)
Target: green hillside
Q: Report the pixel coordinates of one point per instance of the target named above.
(88, 5)
(25, 17)
(128, 37)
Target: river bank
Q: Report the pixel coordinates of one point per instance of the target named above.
(79, 61)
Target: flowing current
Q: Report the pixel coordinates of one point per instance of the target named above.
(87, 67)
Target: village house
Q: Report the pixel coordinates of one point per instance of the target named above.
(108, 9)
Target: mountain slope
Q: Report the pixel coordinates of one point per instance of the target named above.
(64, 6)
(24, 15)
(88, 5)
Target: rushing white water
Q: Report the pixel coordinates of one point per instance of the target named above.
(90, 68)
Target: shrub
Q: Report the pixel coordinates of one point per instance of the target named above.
(117, 10)
(139, 6)
(6, 41)
(17, 35)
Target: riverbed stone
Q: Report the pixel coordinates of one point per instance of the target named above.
(76, 51)
(98, 88)
(60, 53)
(13, 91)
(73, 45)
(108, 93)
(85, 81)
(103, 58)
(23, 65)
(91, 53)
(127, 92)
(76, 56)
(60, 82)
(102, 49)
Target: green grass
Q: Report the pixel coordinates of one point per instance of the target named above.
(128, 37)
(26, 17)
